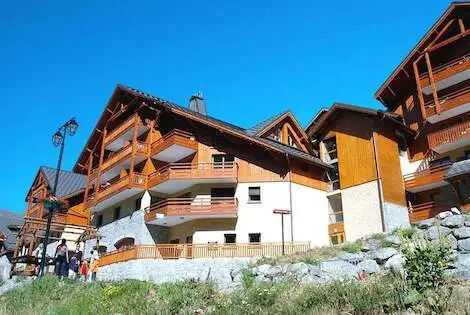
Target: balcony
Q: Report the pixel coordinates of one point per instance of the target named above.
(117, 190)
(173, 211)
(451, 138)
(179, 176)
(427, 210)
(174, 146)
(448, 74)
(116, 138)
(430, 178)
(451, 105)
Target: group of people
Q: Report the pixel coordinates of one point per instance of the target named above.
(72, 265)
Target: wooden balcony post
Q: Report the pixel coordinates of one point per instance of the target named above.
(419, 89)
(98, 175)
(433, 84)
(134, 150)
(17, 245)
(87, 186)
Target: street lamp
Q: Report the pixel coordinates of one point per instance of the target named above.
(58, 139)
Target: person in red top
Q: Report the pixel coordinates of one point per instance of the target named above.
(362, 275)
(84, 270)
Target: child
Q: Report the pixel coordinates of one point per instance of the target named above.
(84, 270)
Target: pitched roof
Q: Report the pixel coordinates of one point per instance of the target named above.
(256, 129)
(457, 169)
(8, 218)
(69, 182)
(316, 126)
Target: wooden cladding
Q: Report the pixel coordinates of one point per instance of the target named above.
(448, 101)
(177, 251)
(193, 171)
(425, 177)
(121, 129)
(446, 70)
(427, 210)
(175, 137)
(212, 206)
(449, 135)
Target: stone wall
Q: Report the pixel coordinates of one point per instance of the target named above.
(395, 216)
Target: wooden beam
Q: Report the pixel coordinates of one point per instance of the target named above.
(462, 26)
(433, 84)
(98, 175)
(419, 89)
(134, 150)
(406, 73)
(391, 91)
(449, 40)
(445, 28)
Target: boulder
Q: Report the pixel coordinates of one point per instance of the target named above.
(452, 241)
(370, 244)
(435, 232)
(444, 214)
(453, 221)
(382, 254)
(369, 266)
(267, 271)
(425, 224)
(395, 264)
(351, 257)
(462, 232)
(463, 245)
(298, 269)
(454, 210)
(393, 239)
(338, 269)
(467, 223)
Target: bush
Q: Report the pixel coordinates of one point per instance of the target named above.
(425, 263)
(353, 247)
(405, 233)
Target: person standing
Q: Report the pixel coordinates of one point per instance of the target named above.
(94, 264)
(75, 261)
(61, 258)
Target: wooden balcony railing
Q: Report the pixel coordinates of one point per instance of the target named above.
(425, 177)
(177, 251)
(123, 154)
(449, 135)
(121, 129)
(178, 137)
(116, 185)
(183, 171)
(448, 101)
(427, 210)
(446, 70)
(212, 206)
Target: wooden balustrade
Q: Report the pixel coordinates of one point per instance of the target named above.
(188, 251)
(121, 129)
(175, 137)
(116, 185)
(448, 101)
(193, 206)
(449, 135)
(125, 153)
(446, 70)
(427, 210)
(193, 171)
(426, 176)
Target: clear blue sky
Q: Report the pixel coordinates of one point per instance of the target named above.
(251, 60)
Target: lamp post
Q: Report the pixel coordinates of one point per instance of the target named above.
(58, 139)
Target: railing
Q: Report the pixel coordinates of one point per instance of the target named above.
(121, 129)
(427, 210)
(178, 251)
(448, 101)
(174, 137)
(115, 157)
(427, 176)
(446, 70)
(449, 135)
(117, 184)
(193, 171)
(192, 206)
(336, 217)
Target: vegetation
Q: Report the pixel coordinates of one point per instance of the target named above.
(312, 256)
(405, 234)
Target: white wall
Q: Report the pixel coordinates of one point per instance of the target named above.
(361, 210)
(408, 167)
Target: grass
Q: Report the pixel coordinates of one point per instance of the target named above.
(312, 256)
(376, 295)
(405, 233)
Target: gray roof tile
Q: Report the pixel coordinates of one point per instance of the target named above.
(8, 218)
(253, 131)
(69, 182)
(457, 169)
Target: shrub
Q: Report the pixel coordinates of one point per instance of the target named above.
(425, 263)
(405, 233)
(353, 247)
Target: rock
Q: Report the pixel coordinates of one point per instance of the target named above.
(298, 269)
(369, 266)
(426, 223)
(454, 210)
(393, 239)
(338, 269)
(462, 261)
(462, 232)
(382, 254)
(351, 257)
(467, 223)
(267, 271)
(463, 245)
(312, 279)
(370, 244)
(395, 264)
(452, 241)
(453, 221)
(444, 214)
(435, 232)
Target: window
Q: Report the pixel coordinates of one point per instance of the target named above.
(337, 238)
(330, 153)
(138, 203)
(99, 220)
(124, 243)
(223, 158)
(175, 241)
(254, 194)
(189, 239)
(117, 213)
(254, 237)
(230, 238)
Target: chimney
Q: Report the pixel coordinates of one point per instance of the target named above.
(197, 104)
